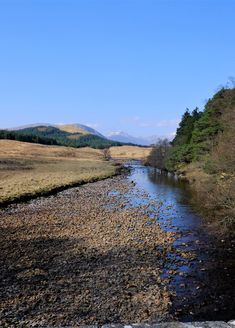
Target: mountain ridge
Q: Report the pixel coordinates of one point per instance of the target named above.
(64, 127)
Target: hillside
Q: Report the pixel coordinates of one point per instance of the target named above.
(203, 151)
(68, 135)
(78, 128)
(72, 128)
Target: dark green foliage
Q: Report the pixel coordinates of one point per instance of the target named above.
(198, 134)
(14, 135)
(182, 150)
(178, 155)
(186, 126)
(210, 123)
(198, 131)
(53, 136)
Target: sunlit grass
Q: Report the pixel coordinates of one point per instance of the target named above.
(30, 169)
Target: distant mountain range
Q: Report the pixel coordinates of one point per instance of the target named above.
(125, 137)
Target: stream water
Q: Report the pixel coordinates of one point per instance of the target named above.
(204, 285)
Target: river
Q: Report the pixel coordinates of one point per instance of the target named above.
(203, 286)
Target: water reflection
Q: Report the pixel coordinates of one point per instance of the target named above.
(171, 192)
(166, 178)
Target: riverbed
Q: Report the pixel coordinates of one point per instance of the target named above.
(126, 249)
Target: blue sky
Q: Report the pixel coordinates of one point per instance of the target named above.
(130, 65)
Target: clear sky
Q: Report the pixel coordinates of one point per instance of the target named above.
(130, 65)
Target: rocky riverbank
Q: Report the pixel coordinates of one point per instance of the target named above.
(83, 256)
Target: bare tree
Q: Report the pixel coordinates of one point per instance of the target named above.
(158, 154)
(106, 153)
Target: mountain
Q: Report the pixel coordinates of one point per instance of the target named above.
(51, 135)
(21, 127)
(80, 128)
(126, 138)
(71, 128)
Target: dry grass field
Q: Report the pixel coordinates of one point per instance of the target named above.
(28, 169)
(130, 152)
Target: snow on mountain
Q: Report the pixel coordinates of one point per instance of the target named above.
(143, 141)
(125, 137)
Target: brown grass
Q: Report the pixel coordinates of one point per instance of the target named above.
(29, 169)
(72, 129)
(130, 152)
(214, 196)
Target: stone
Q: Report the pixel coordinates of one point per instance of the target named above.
(206, 324)
(116, 325)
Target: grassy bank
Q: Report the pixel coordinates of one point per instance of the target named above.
(214, 196)
(27, 170)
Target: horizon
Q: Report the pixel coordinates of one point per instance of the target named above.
(112, 65)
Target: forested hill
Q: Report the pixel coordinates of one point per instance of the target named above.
(50, 135)
(201, 134)
(204, 151)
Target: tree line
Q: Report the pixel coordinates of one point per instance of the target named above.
(204, 151)
(198, 134)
